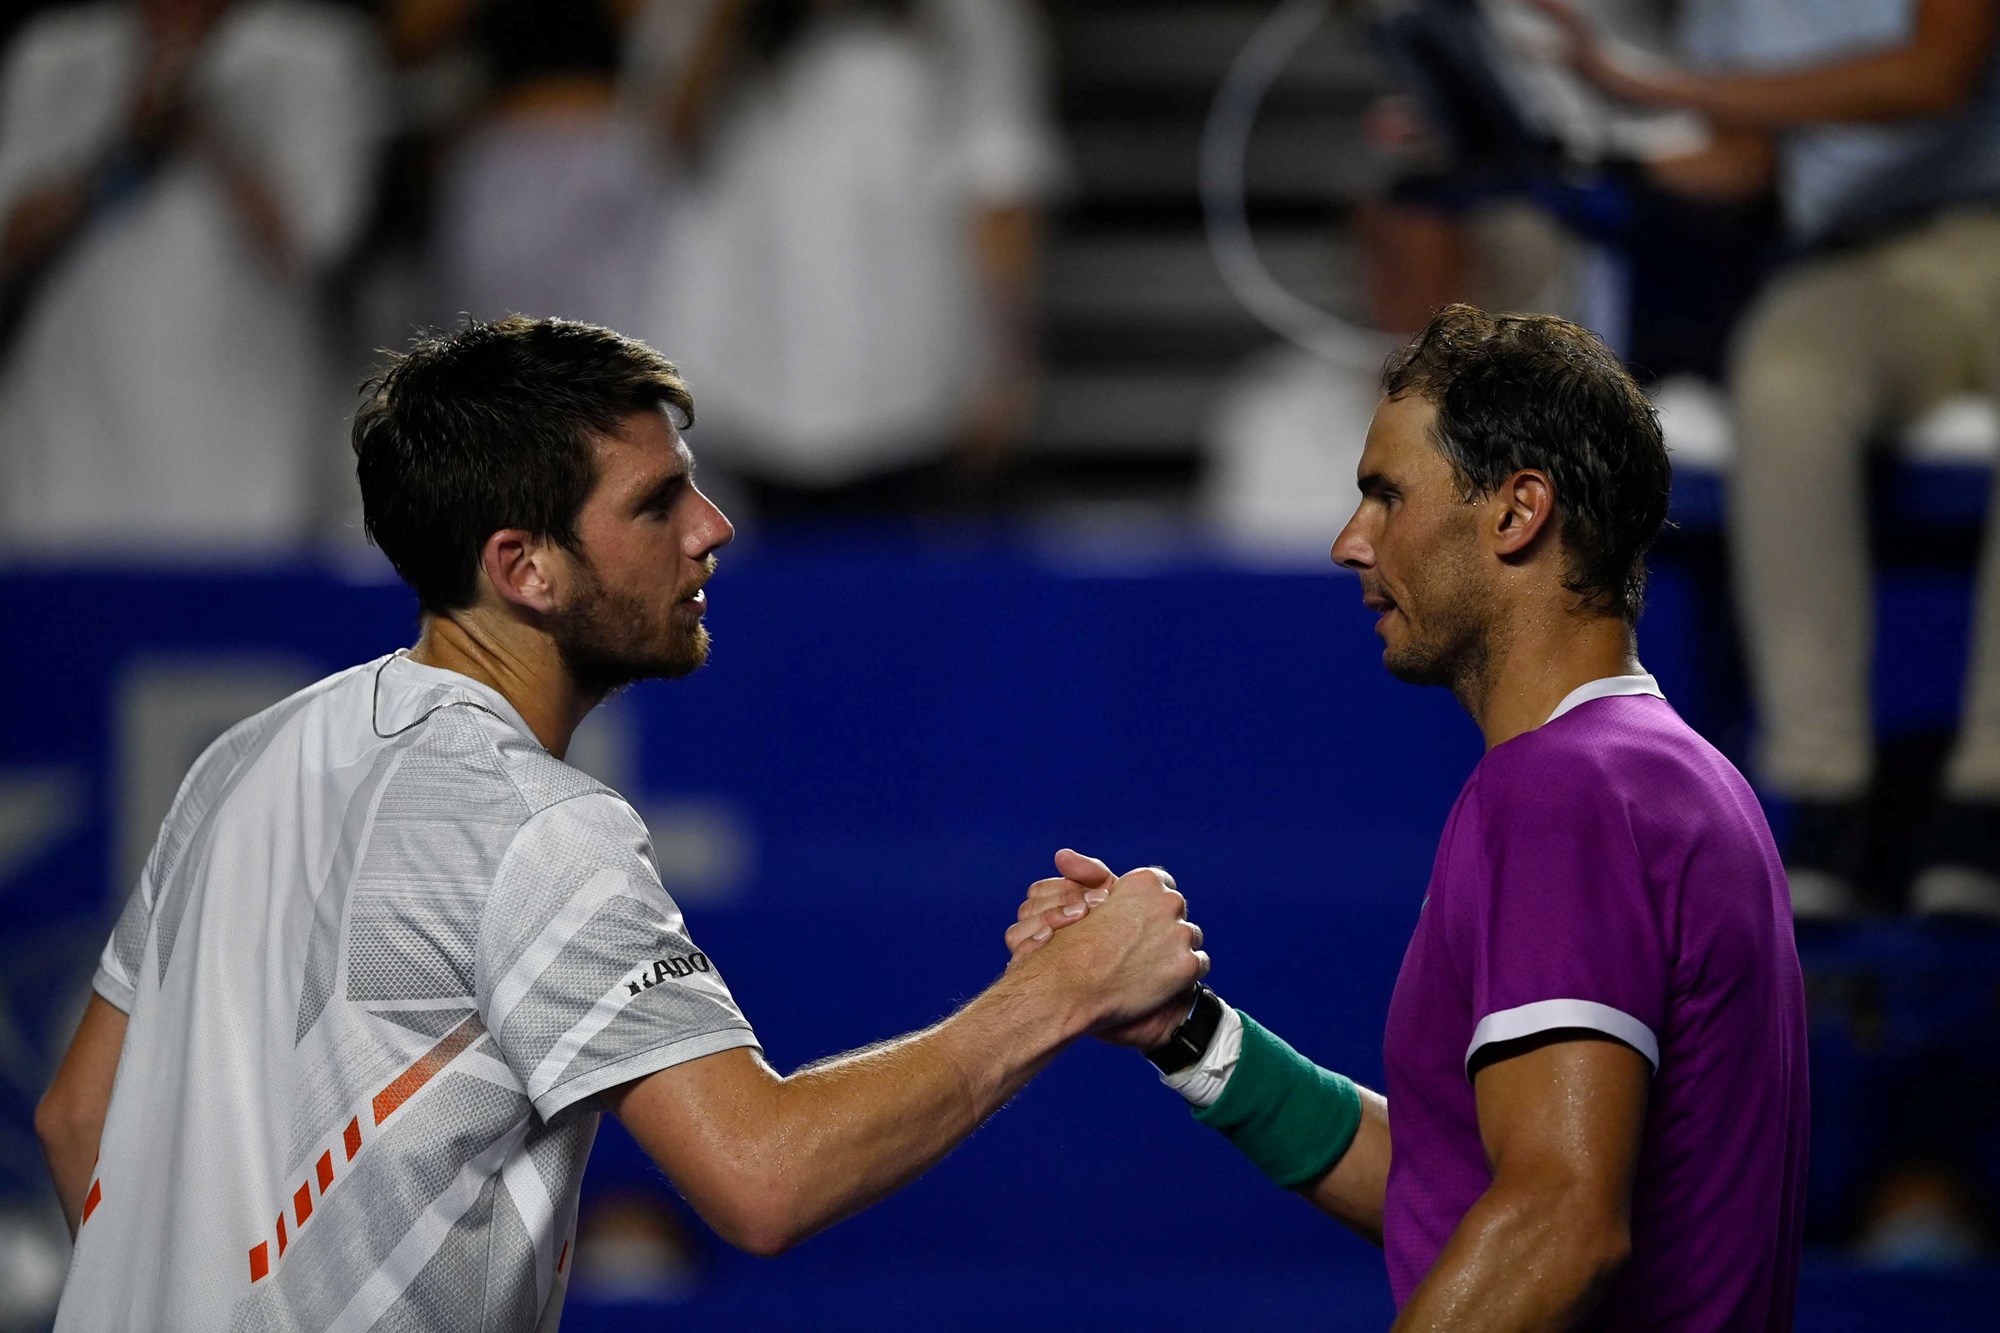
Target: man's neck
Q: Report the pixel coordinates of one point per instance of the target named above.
(1530, 670)
(522, 665)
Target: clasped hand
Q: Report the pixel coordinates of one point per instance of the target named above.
(1143, 954)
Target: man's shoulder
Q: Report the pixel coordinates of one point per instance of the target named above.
(1594, 743)
(1630, 761)
(508, 773)
(1589, 758)
(247, 736)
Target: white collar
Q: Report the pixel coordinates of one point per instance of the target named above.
(408, 691)
(1604, 688)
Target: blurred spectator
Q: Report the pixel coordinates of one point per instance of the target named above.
(174, 175)
(851, 271)
(1288, 428)
(549, 201)
(1887, 122)
(1921, 1215)
(632, 1246)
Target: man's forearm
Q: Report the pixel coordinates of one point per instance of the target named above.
(69, 1119)
(1352, 1193)
(1896, 85)
(1518, 1263)
(1303, 1126)
(70, 1148)
(871, 1121)
(768, 1161)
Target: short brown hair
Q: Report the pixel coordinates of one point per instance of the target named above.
(492, 427)
(1534, 391)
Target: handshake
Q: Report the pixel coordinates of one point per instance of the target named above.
(1132, 959)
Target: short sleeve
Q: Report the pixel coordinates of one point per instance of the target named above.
(586, 975)
(117, 978)
(1554, 918)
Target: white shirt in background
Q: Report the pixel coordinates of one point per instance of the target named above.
(168, 388)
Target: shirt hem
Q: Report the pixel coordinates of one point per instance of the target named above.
(1529, 1020)
(639, 1064)
(117, 994)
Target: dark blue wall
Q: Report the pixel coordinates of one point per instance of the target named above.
(904, 735)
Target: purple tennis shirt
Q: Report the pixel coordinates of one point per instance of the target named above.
(1611, 871)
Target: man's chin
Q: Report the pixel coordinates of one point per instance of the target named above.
(604, 674)
(1412, 668)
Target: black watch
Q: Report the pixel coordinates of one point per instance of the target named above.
(1190, 1040)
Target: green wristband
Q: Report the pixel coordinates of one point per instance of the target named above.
(1286, 1114)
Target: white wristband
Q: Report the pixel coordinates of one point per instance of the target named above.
(1202, 1082)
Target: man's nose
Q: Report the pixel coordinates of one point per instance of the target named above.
(1351, 549)
(715, 531)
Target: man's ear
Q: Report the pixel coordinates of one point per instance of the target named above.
(1524, 505)
(521, 568)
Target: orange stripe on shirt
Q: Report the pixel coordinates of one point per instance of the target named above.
(325, 1172)
(92, 1199)
(424, 1070)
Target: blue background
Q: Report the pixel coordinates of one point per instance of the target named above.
(907, 731)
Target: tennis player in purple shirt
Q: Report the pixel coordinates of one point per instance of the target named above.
(1596, 1050)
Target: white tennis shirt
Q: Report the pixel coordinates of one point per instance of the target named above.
(383, 954)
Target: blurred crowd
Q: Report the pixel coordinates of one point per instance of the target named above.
(832, 211)
(213, 210)
(1785, 213)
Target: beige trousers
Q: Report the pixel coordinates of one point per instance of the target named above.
(1835, 351)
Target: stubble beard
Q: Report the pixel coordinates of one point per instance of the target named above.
(1447, 640)
(609, 639)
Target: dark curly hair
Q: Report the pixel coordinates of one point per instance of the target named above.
(493, 427)
(1534, 391)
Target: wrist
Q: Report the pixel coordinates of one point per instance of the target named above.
(1203, 1082)
(1189, 1040)
(1058, 1009)
(1290, 1117)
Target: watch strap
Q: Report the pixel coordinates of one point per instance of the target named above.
(1189, 1042)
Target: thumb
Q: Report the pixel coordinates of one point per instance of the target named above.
(1085, 870)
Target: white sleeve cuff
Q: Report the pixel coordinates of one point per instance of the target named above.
(1530, 1020)
(1202, 1082)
